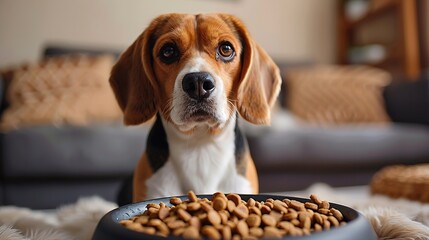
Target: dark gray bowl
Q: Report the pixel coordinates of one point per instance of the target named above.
(357, 227)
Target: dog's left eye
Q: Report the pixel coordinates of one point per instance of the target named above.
(225, 52)
(169, 53)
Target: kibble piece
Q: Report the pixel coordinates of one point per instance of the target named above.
(218, 194)
(290, 216)
(337, 214)
(193, 206)
(268, 220)
(302, 216)
(183, 206)
(211, 232)
(195, 222)
(202, 216)
(154, 222)
(163, 229)
(299, 206)
(219, 203)
(176, 224)
(226, 232)
(214, 217)
(265, 209)
(206, 206)
(326, 224)
(242, 228)
(334, 221)
(184, 215)
(272, 233)
(153, 212)
(236, 237)
(287, 201)
(306, 223)
(231, 224)
(179, 231)
(192, 197)
(152, 205)
(269, 204)
(317, 227)
(142, 220)
(318, 218)
(256, 232)
(175, 201)
(306, 231)
(323, 211)
(231, 205)
(276, 215)
(314, 198)
(224, 217)
(241, 211)
(191, 233)
(235, 198)
(163, 213)
(286, 225)
(251, 202)
(295, 222)
(149, 230)
(126, 222)
(253, 220)
(170, 218)
(324, 204)
(311, 206)
(255, 210)
(296, 232)
(279, 207)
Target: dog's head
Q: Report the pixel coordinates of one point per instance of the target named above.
(195, 70)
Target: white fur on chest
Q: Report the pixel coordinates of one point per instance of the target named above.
(199, 162)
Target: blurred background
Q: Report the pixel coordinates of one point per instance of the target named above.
(299, 30)
(355, 94)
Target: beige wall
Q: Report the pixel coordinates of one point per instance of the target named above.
(294, 30)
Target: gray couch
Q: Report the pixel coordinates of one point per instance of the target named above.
(46, 166)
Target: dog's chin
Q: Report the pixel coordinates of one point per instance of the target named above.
(199, 119)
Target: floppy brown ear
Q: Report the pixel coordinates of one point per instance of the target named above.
(260, 79)
(132, 80)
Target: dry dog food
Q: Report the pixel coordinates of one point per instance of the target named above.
(230, 217)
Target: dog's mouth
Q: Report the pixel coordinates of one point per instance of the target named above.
(203, 114)
(200, 115)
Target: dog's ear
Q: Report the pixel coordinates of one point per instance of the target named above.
(132, 80)
(260, 78)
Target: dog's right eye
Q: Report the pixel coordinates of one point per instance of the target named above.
(169, 53)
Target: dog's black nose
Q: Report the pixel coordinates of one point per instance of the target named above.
(198, 85)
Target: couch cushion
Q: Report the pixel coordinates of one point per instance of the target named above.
(341, 148)
(61, 90)
(101, 150)
(337, 94)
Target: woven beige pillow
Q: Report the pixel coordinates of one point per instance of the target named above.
(337, 94)
(61, 90)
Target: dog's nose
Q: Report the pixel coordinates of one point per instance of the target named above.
(198, 85)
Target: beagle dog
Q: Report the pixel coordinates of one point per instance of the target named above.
(195, 74)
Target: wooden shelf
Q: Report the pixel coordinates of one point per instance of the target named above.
(390, 23)
(372, 14)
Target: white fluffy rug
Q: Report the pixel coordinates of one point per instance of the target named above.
(391, 219)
